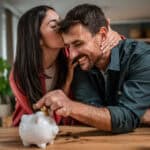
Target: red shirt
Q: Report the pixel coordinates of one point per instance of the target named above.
(22, 102)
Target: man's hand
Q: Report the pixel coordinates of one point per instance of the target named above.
(56, 101)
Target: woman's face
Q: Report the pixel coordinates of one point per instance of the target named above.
(50, 38)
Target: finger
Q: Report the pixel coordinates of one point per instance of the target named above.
(110, 43)
(115, 42)
(39, 104)
(107, 48)
(56, 106)
(105, 44)
(110, 46)
(72, 64)
(108, 40)
(48, 102)
(75, 64)
(82, 59)
(51, 113)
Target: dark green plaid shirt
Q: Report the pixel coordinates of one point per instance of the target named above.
(127, 94)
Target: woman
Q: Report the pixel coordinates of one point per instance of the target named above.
(40, 64)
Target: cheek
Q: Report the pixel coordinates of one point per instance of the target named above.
(51, 35)
(53, 39)
(96, 51)
(92, 57)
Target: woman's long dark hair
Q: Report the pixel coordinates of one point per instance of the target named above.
(28, 63)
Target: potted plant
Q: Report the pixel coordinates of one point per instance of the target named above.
(5, 90)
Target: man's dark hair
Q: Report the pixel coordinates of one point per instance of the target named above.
(90, 16)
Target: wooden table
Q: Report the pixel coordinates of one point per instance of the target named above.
(82, 138)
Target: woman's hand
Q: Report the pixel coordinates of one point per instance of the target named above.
(69, 79)
(111, 41)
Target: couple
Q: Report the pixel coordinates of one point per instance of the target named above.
(109, 83)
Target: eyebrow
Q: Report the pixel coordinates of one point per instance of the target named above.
(74, 42)
(53, 20)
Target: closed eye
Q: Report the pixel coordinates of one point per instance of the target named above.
(55, 26)
(78, 44)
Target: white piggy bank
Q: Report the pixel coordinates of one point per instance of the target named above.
(37, 129)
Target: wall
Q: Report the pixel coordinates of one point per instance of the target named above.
(8, 31)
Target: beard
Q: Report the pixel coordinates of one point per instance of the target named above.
(90, 62)
(86, 64)
(86, 67)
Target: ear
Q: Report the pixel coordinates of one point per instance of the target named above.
(103, 33)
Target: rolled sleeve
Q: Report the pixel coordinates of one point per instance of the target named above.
(122, 119)
(135, 97)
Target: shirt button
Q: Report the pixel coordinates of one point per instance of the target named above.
(119, 93)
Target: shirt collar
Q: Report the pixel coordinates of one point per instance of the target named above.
(114, 60)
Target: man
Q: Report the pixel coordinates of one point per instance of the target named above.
(127, 70)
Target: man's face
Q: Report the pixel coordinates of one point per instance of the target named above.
(83, 46)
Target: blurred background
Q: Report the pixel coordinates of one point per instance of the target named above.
(129, 17)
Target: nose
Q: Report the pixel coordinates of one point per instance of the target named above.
(73, 53)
